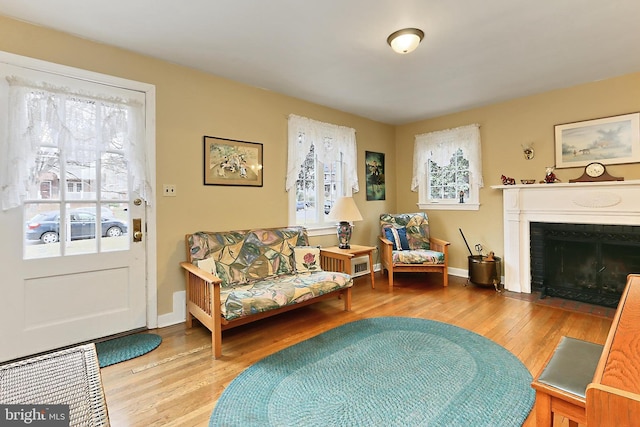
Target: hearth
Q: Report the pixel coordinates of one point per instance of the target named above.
(583, 262)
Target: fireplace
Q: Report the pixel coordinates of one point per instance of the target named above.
(583, 262)
(593, 204)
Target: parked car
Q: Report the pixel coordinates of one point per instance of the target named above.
(46, 226)
(105, 212)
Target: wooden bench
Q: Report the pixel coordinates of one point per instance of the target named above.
(562, 385)
(596, 385)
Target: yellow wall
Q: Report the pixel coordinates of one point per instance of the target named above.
(504, 128)
(191, 104)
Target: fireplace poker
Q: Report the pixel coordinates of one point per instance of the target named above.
(465, 241)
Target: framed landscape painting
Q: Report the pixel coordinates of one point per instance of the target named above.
(374, 168)
(610, 140)
(232, 162)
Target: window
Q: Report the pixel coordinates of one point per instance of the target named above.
(71, 161)
(321, 168)
(74, 187)
(447, 169)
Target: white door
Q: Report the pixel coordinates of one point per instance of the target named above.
(74, 266)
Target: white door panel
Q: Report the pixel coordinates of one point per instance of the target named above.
(75, 289)
(54, 302)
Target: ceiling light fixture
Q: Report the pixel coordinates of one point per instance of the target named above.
(405, 40)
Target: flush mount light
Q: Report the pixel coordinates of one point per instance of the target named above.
(405, 40)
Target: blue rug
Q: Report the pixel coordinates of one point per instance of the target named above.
(386, 371)
(124, 348)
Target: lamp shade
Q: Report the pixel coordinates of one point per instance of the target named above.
(345, 209)
(405, 40)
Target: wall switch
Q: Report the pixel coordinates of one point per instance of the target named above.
(169, 190)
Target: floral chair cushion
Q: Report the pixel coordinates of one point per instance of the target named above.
(417, 257)
(415, 224)
(416, 227)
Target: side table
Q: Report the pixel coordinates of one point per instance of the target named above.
(333, 258)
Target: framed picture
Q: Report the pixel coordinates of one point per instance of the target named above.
(610, 140)
(232, 162)
(374, 167)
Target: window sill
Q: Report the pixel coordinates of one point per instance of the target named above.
(321, 230)
(450, 206)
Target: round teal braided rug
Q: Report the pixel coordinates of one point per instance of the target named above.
(124, 348)
(386, 371)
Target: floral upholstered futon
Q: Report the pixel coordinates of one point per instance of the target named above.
(258, 269)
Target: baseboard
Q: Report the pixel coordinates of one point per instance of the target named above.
(458, 272)
(179, 313)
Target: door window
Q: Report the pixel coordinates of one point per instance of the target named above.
(87, 177)
(75, 163)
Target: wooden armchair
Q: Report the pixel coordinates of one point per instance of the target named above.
(406, 245)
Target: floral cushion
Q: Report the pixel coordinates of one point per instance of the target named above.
(417, 257)
(276, 292)
(307, 259)
(244, 256)
(416, 225)
(208, 265)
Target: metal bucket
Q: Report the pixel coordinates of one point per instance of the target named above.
(485, 272)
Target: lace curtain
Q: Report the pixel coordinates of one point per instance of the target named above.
(440, 146)
(43, 115)
(329, 141)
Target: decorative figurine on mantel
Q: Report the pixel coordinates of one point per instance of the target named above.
(506, 180)
(461, 196)
(550, 176)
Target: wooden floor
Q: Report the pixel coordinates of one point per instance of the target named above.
(178, 383)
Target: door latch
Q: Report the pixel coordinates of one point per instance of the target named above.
(137, 229)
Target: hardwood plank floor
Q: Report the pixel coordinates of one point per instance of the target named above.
(179, 383)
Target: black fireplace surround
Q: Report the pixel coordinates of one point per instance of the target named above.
(583, 262)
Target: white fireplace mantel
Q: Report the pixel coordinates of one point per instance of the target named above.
(610, 202)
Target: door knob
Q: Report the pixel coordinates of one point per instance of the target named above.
(137, 229)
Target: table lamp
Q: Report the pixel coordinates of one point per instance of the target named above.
(344, 210)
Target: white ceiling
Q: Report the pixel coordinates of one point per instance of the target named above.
(334, 52)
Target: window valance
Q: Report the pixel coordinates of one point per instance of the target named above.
(40, 113)
(440, 146)
(331, 143)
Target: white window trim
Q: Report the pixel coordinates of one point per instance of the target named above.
(321, 230)
(437, 145)
(433, 206)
